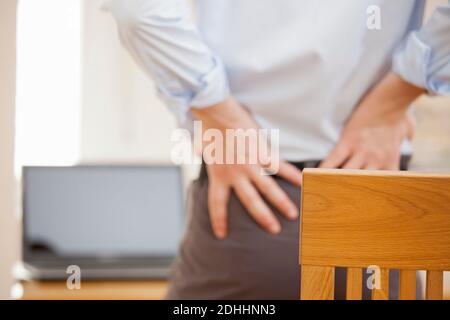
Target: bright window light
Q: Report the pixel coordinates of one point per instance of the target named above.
(48, 82)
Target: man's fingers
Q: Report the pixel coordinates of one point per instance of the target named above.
(290, 173)
(255, 205)
(275, 195)
(218, 195)
(336, 158)
(356, 161)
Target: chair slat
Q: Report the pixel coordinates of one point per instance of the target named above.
(435, 285)
(407, 285)
(354, 283)
(317, 283)
(382, 293)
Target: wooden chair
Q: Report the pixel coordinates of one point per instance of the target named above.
(356, 219)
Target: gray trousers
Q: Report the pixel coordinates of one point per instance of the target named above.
(250, 263)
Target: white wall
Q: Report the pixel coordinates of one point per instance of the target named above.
(8, 225)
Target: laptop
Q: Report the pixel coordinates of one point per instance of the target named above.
(113, 222)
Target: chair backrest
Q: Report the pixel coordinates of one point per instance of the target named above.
(358, 219)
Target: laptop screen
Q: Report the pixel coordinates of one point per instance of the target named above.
(93, 211)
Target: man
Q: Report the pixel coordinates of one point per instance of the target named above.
(336, 87)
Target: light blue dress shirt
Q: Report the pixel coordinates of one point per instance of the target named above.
(299, 66)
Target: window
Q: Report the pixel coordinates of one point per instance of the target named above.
(48, 82)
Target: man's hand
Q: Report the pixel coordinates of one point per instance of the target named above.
(374, 133)
(246, 179)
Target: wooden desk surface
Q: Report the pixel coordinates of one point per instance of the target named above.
(91, 290)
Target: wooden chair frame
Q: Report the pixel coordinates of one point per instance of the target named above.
(356, 219)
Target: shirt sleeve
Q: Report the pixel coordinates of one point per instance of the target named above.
(424, 56)
(164, 41)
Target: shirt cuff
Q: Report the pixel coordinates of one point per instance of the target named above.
(413, 61)
(213, 89)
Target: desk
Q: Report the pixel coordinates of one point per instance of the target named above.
(90, 290)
